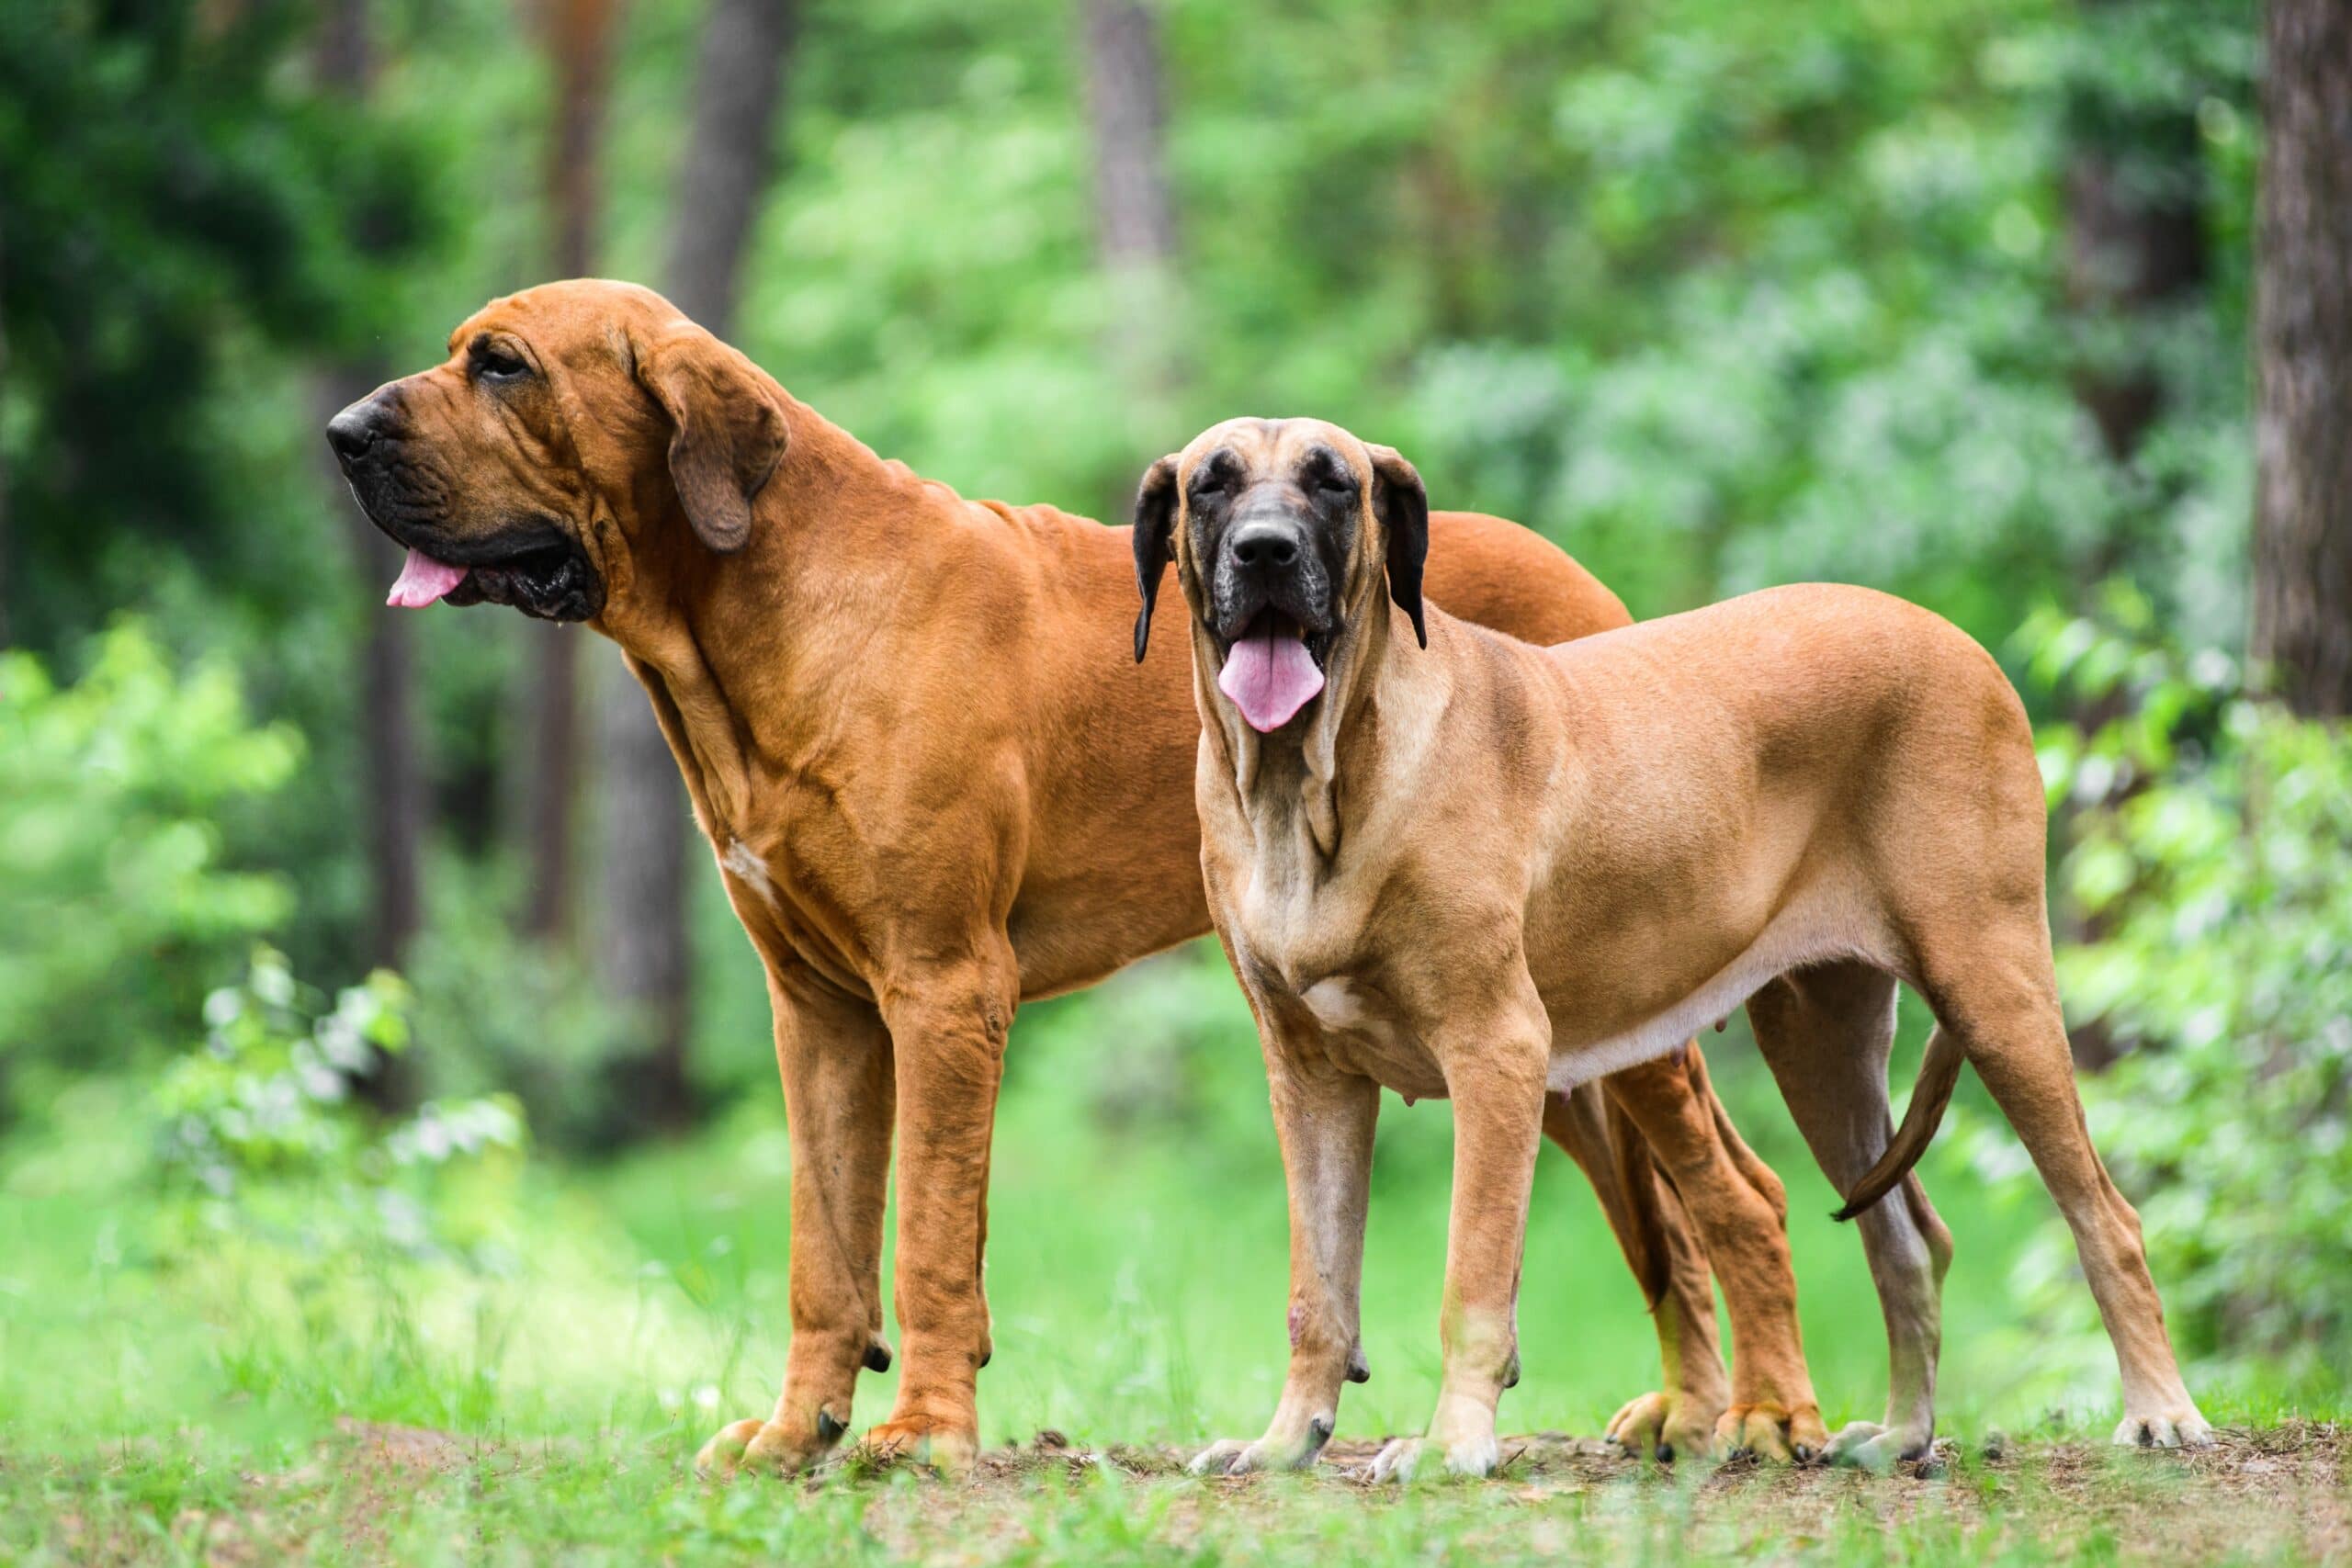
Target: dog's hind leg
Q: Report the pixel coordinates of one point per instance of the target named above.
(1825, 1032)
(2000, 997)
(1743, 1223)
(1654, 1232)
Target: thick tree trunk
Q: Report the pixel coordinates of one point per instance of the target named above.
(644, 940)
(2302, 534)
(1134, 208)
(580, 45)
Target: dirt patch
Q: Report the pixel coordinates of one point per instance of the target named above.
(2277, 1493)
(2273, 1493)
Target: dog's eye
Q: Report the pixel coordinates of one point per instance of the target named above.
(1331, 482)
(1210, 483)
(495, 364)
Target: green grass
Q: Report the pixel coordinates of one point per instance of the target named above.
(185, 1400)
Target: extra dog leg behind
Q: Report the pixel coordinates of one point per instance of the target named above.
(1744, 1226)
(1653, 1231)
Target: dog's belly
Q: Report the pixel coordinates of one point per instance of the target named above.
(1814, 931)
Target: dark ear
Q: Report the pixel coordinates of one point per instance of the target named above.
(727, 435)
(1154, 537)
(1404, 509)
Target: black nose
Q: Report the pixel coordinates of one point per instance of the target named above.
(1265, 546)
(354, 430)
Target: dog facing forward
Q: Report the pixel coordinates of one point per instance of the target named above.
(1459, 866)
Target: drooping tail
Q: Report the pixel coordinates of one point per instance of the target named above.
(1939, 1072)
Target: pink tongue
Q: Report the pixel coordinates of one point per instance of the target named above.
(1269, 676)
(422, 581)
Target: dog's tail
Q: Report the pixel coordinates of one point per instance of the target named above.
(1939, 1071)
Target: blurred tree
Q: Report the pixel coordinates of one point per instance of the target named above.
(642, 932)
(171, 200)
(2302, 557)
(1134, 207)
(578, 35)
(2135, 219)
(3, 446)
(392, 764)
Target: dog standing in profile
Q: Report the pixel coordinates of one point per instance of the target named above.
(1459, 866)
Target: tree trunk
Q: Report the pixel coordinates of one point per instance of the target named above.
(729, 158)
(392, 776)
(644, 940)
(1134, 208)
(2136, 243)
(4, 452)
(579, 36)
(2303, 533)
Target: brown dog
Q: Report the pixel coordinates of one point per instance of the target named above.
(933, 798)
(1457, 865)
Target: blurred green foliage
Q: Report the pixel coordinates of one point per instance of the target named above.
(118, 906)
(1713, 296)
(175, 200)
(2207, 861)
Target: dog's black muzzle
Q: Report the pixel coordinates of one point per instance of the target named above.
(1269, 564)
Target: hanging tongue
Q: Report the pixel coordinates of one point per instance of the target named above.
(1270, 675)
(422, 581)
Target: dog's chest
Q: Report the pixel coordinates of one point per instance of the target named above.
(1308, 962)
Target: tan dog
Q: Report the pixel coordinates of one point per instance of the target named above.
(1490, 871)
(933, 796)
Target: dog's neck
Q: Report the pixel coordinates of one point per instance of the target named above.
(835, 533)
(1287, 783)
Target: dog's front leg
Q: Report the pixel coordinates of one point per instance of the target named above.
(835, 1059)
(1325, 1118)
(948, 1025)
(1496, 1077)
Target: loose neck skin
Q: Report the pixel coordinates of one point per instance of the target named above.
(699, 627)
(1286, 783)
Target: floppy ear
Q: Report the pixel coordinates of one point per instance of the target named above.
(1155, 530)
(1404, 510)
(726, 435)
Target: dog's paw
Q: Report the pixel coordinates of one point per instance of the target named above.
(1237, 1456)
(1398, 1461)
(1655, 1426)
(948, 1448)
(1773, 1432)
(2180, 1429)
(1866, 1445)
(766, 1448)
(1404, 1460)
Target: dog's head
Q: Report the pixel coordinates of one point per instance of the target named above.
(1281, 532)
(572, 426)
